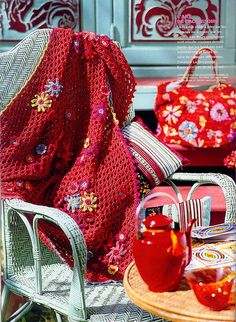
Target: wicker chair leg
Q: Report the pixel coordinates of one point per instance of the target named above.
(73, 320)
(58, 317)
(5, 300)
(25, 308)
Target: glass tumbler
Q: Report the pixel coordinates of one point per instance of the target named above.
(212, 286)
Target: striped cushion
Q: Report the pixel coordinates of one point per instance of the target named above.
(196, 208)
(153, 158)
(200, 209)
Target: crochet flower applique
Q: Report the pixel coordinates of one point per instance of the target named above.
(89, 202)
(41, 101)
(14, 140)
(73, 202)
(121, 194)
(41, 149)
(90, 151)
(100, 112)
(53, 88)
(84, 184)
(112, 269)
(121, 238)
(87, 49)
(69, 114)
(116, 252)
(114, 257)
(86, 143)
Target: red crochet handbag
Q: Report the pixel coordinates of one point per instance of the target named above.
(189, 117)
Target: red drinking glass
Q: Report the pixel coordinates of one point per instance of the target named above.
(212, 286)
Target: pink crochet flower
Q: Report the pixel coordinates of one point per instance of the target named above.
(73, 187)
(100, 111)
(105, 40)
(116, 252)
(121, 238)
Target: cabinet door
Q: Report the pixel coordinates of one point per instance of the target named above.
(19, 18)
(154, 34)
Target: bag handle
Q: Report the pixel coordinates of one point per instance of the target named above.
(193, 63)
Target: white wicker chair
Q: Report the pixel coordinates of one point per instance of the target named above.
(30, 269)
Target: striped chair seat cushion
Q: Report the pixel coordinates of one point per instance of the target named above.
(199, 208)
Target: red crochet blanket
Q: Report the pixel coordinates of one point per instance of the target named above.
(61, 146)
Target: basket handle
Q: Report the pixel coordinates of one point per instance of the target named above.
(149, 197)
(193, 63)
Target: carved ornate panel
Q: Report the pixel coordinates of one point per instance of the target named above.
(174, 20)
(19, 17)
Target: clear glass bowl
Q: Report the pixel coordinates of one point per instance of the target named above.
(212, 286)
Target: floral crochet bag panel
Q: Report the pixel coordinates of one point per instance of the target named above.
(192, 118)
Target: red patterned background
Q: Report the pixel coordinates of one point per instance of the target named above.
(20, 17)
(173, 20)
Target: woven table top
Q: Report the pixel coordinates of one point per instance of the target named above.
(180, 305)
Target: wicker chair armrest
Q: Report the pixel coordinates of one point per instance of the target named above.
(77, 242)
(49, 212)
(226, 183)
(65, 222)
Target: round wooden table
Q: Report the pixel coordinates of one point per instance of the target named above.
(180, 305)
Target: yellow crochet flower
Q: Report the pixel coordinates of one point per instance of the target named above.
(112, 269)
(41, 101)
(86, 143)
(88, 202)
